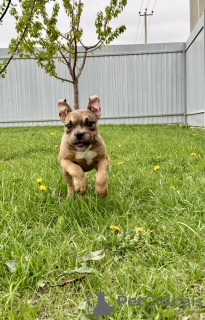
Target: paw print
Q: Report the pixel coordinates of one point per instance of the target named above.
(166, 301)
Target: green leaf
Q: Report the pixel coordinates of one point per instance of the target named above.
(95, 255)
(41, 284)
(84, 269)
(60, 221)
(11, 265)
(82, 305)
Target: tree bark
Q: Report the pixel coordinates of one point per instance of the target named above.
(75, 88)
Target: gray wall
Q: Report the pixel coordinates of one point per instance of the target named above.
(195, 55)
(136, 84)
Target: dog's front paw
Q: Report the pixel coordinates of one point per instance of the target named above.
(70, 190)
(101, 190)
(80, 185)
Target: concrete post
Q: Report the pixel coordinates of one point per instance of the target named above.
(197, 8)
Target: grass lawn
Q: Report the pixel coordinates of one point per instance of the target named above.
(45, 236)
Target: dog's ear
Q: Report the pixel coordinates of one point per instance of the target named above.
(94, 105)
(64, 109)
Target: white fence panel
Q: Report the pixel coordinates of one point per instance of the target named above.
(137, 84)
(195, 55)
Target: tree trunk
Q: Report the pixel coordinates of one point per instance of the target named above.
(75, 88)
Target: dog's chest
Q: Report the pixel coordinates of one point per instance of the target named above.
(88, 155)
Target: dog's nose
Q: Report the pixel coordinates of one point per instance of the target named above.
(79, 135)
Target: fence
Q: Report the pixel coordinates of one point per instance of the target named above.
(195, 80)
(137, 84)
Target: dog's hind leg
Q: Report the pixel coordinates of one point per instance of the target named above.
(69, 180)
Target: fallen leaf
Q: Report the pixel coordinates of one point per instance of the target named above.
(41, 284)
(60, 221)
(11, 265)
(83, 269)
(82, 304)
(95, 255)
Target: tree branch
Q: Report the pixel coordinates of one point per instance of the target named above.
(5, 11)
(94, 46)
(43, 66)
(67, 63)
(82, 66)
(62, 79)
(60, 59)
(22, 36)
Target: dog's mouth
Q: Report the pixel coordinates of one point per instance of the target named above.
(81, 145)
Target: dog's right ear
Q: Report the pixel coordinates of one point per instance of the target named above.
(64, 109)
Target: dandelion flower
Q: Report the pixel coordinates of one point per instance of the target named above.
(140, 231)
(39, 180)
(119, 163)
(119, 145)
(193, 154)
(52, 133)
(159, 157)
(194, 134)
(42, 187)
(117, 229)
(173, 188)
(109, 159)
(156, 168)
(56, 146)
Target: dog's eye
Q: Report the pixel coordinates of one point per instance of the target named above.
(69, 125)
(89, 123)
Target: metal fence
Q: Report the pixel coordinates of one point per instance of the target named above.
(195, 80)
(137, 84)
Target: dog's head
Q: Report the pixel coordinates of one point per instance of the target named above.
(81, 126)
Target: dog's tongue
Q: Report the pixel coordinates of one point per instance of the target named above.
(80, 145)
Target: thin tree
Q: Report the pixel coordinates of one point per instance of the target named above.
(4, 10)
(68, 46)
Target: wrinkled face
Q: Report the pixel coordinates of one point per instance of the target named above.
(81, 128)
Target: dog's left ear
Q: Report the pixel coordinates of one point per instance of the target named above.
(94, 105)
(64, 109)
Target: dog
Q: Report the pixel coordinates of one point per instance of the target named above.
(82, 147)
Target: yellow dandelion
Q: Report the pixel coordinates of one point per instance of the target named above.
(52, 133)
(142, 230)
(119, 163)
(109, 159)
(156, 168)
(194, 134)
(193, 154)
(42, 187)
(137, 234)
(159, 157)
(173, 188)
(56, 146)
(117, 229)
(119, 145)
(39, 180)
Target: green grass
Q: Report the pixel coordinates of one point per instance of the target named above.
(167, 260)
